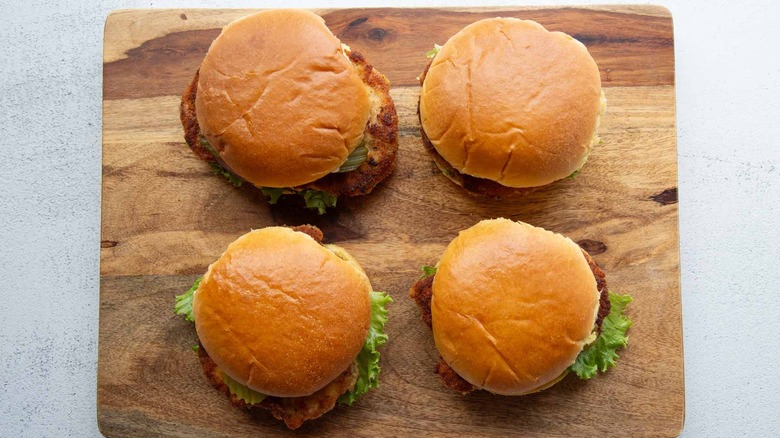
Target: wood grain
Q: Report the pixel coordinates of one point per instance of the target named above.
(166, 217)
(630, 48)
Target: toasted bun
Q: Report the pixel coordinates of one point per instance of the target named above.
(279, 100)
(506, 100)
(513, 305)
(282, 314)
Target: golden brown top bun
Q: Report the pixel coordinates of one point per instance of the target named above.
(513, 305)
(279, 100)
(508, 101)
(282, 314)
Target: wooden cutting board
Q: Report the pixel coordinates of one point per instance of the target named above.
(165, 217)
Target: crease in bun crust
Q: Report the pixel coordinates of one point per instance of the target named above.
(506, 101)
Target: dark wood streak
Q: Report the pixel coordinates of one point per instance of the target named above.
(159, 67)
(377, 34)
(186, 175)
(114, 172)
(593, 247)
(668, 196)
(123, 172)
(590, 39)
(341, 231)
(108, 243)
(358, 21)
(631, 50)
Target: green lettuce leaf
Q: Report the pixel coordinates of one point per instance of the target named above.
(573, 174)
(319, 200)
(216, 168)
(272, 193)
(219, 170)
(368, 358)
(433, 52)
(183, 304)
(428, 271)
(315, 199)
(205, 143)
(602, 354)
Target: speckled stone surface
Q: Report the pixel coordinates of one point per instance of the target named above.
(728, 92)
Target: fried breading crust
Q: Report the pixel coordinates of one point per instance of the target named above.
(479, 186)
(451, 379)
(422, 291)
(601, 284)
(313, 232)
(381, 135)
(189, 120)
(292, 410)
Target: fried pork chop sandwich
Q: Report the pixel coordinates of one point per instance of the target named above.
(287, 324)
(507, 106)
(515, 308)
(278, 102)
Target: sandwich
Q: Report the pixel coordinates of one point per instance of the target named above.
(287, 324)
(507, 106)
(279, 103)
(515, 308)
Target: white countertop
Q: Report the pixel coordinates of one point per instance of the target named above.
(728, 100)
